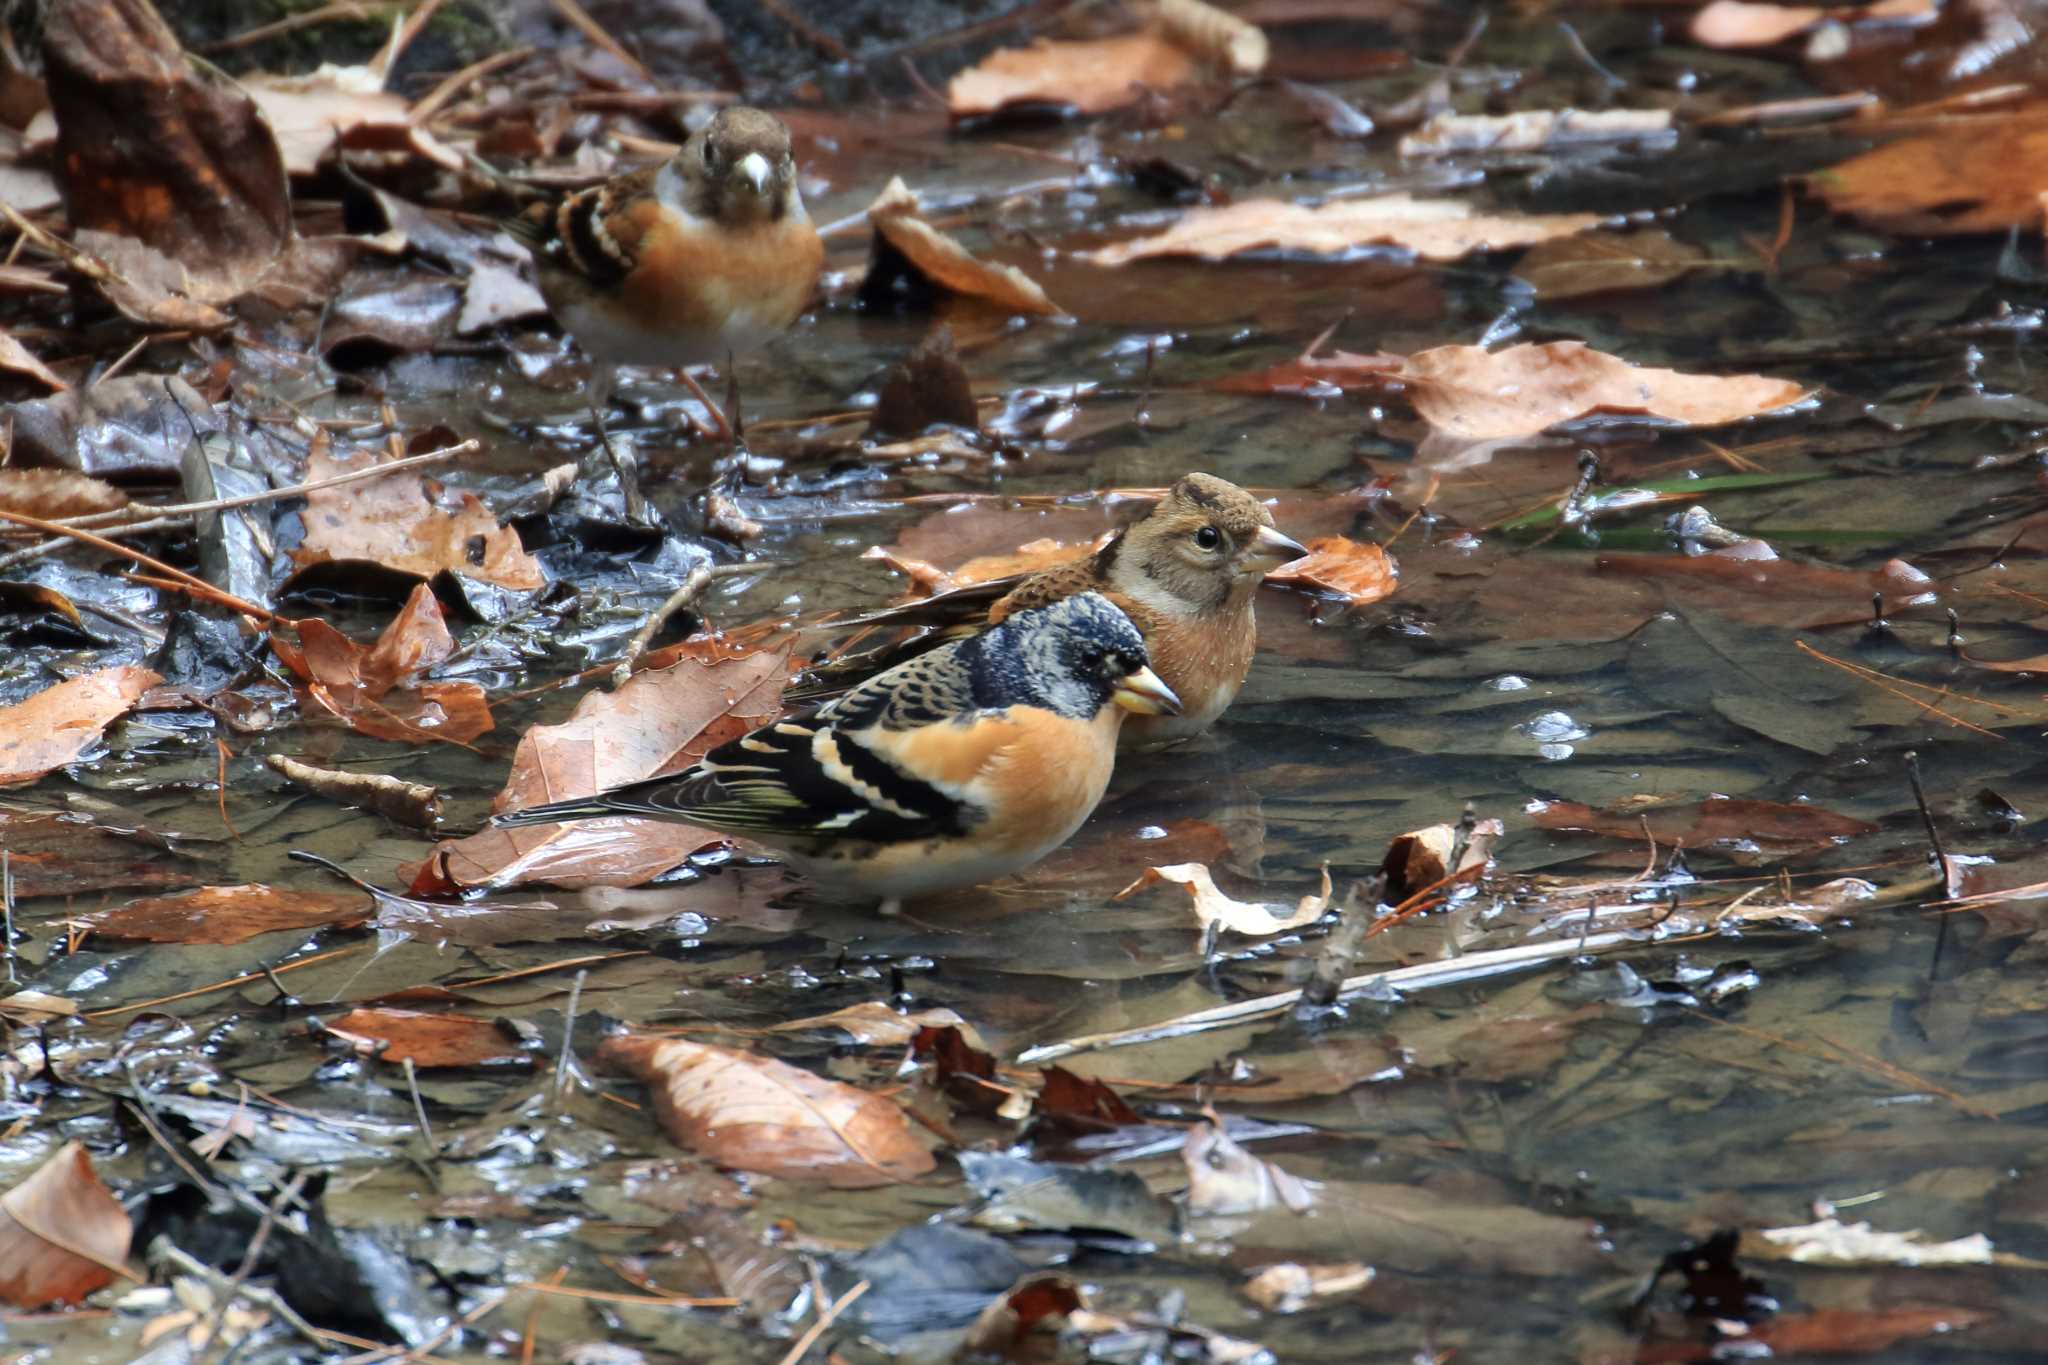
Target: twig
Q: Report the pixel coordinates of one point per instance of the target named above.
(693, 583)
(1884, 682)
(1471, 967)
(231, 1288)
(824, 42)
(461, 80)
(824, 1322)
(241, 980)
(56, 543)
(195, 584)
(566, 1063)
(236, 1284)
(277, 28)
(401, 39)
(579, 19)
(375, 471)
(7, 902)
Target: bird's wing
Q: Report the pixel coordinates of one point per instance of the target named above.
(594, 232)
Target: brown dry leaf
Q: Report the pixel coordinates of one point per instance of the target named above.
(16, 358)
(206, 186)
(397, 522)
(1361, 573)
(661, 721)
(1211, 906)
(1742, 24)
(944, 262)
(428, 1040)
(56, 493)
(229, 914)
(1289, 1288)
(1827, 1331)
(929, 580)
(1607, 263)
(1081, 1104)
(1317, 376)
(1980, 177)
(758, 1114)
(1089, 77)
(873, 1023)
(1734, 825)
(412, 804)
(58, 724)
(360, 686)
(63, 1234)
(1748, 581)
(1434, 229)
(1472, 393)
(1532, 130)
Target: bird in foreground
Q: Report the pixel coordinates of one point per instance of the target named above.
(706, 256)
(1187, 575)
(966, 763)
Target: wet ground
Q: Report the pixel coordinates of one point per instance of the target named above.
(1515, 1156)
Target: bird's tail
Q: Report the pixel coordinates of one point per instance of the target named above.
(588, 808)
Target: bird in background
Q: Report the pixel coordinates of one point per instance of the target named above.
(968, 762)
(1187, 575)
(700, 259)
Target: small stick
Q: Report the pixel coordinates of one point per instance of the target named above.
(824, 42)
(419, 1106)
(7, 903)
(824, 1323)
(693, 584)
(194, 583)
(579, 18)
(56, 543)
(231, 1290)
(469, 75)
(567, 1060)
(341, 9)
(375, 471)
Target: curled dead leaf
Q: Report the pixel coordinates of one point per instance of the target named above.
(759, 1114)
(411, 804)
(936, 258)
(1530, 130)
(1225, 1179)
(1422, 858)
(1978, 177)
(1211, 906)
(1289, 1288)
(57, 493)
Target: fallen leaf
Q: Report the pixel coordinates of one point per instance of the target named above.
(1729, 824)
(1081, 1104)
(936, 258)
(1089, 77)
(16, 358)
(397, 522)
(63, 1234)
(872, 1023)
(1531, 130)
(1434, 229)
(1833, 1242)
(64, 855)
(1742, 24)
(1038, 1303)
(1211, 906)
(1421, 858)
(1317, 376)
(1829, 1331)
(361, 686)
(412, 804)
(1289, 1288)
(1607, 263)
(1224, 1178)
(57, 493)
(1979, 177)
(1360, 573)
(428, 1040)
(1475, 394)
(758, 1114)
(334, 105)
(967, 1074)
(661, 721)
(205, 188)
(59, 723)
(229, 914)
(1215, 35)
(1758, 584)
(927, 388)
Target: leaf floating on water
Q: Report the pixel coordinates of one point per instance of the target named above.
(63, 1234)
(1607, 263)
(371, 689)
(1358, 572)
(1476, 394)
(1978, 177)
(1833, 1242)
(428, 1040)
(1224, 1178)
(1289, 1288)
(1732, 824)
(1735, 24)
(53, 727)
(1434, 229)
(758, 1114)
(1093, 76)
(398, 522)
(229, 914)
(873, 1023)
(1211, 906)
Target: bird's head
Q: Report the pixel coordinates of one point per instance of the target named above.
(1206, 541)
(738, 168)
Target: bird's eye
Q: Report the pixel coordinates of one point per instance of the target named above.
(1208, 538)
(709, 159)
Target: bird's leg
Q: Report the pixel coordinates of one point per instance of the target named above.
(625, 465)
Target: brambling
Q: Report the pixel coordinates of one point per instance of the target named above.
(1187, 575)
(706, 256)
(969, 762)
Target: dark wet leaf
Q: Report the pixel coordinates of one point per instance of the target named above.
(758, 1114)
(925, 388)
(428, 1040)
(1728, 824)
(229, 914)
(399, 521)
(929, 1277)
(374, 690)
(131, 424)
(1036, 1195)
(1081, 1104)
(58, 855)
(1607, 263)
(55, 726)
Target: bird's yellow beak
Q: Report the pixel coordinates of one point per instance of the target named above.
(1144, 694)
(753, 169)
(1268, 550)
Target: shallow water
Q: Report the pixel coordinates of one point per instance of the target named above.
(1892, 1062)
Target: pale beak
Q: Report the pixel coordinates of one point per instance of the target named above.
(1268, 550)
(755, 170)
(1144, 694)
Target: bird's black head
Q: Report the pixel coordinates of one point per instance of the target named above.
(1072, 656)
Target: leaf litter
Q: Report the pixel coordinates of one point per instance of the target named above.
(465, 1020)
